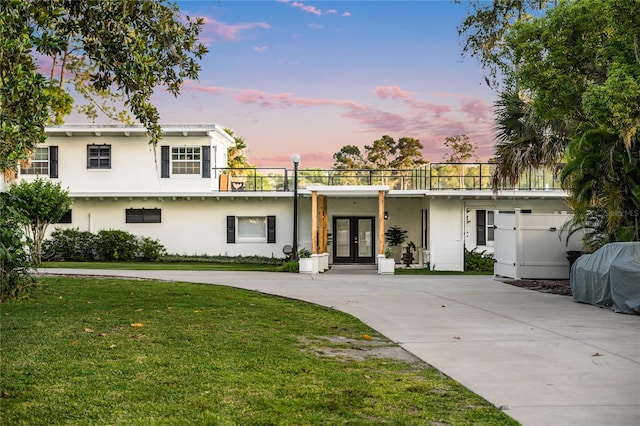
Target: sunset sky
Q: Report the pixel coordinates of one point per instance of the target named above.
(309, 77)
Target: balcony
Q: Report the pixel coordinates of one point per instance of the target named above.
(432, 177)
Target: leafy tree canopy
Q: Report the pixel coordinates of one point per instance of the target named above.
(383, 153)
(237, 154)
(108, 46)
(462, 149)
(41, 202)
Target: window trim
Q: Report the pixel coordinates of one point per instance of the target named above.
(270, 230)
(172, 162)
(484, 229)
(52, 163)
(98, 157)
(143, 215)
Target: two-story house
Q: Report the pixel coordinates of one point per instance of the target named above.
(182, 193)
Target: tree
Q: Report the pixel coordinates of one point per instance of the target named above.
(576, 80)
(484, 31)
(237, 156)
(383, 153)
(349, 157)
(604, 180)
(112, 46)
(462, 149)
(15, 262)
(42, 203)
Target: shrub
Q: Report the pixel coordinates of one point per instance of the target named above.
(70, 244)
(15, 257)
(149, 250)
(478, 262)
(291, 266)
(116, 245)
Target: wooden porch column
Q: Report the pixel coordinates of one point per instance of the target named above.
(322, 230)
(325, 226)
(314, 222)
(381, 223)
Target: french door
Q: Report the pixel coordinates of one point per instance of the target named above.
(353, 240)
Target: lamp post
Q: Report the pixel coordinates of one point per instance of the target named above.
(296, 161)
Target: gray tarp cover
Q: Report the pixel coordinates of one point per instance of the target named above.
(609, 277)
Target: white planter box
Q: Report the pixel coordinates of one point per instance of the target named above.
(308, 265)
(386, 266)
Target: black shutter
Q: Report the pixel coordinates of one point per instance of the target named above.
(481, 223)
(206, 161)
(53, 161)
(164, 161)
(271, 229)
(231, 229)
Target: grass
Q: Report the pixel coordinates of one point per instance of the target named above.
(421, 271)
(111, 351)
(161, 266)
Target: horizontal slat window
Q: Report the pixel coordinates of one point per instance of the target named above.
(143, 215)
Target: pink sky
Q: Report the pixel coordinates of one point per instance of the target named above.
(310, 77)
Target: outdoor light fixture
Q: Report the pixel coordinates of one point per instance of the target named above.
(386, 215)
(295, 158)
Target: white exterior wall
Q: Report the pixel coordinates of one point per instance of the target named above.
(135, 165)
(189, 227)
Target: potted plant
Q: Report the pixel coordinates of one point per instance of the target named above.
(407, 257)
(387, 264)
(305, 263)
(395, 236)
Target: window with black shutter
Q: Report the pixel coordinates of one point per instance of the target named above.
(271, 229)
(206, 161)
(164, 161)
(481, 227)
(231, 229)
(143, 215)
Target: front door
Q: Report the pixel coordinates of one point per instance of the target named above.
(353, 240)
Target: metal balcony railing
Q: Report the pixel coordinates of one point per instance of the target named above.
(432, 177)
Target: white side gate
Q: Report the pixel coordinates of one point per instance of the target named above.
(505, 248)
(529, 245)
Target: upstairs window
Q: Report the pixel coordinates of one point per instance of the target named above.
(185, 160)
(44, 161)
(98, 156)
(39, 163)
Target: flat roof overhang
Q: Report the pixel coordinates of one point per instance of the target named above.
(345, 190)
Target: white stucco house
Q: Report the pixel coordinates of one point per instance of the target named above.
(182, 193)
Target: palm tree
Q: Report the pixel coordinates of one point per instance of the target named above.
(523, 140)
(603, 177)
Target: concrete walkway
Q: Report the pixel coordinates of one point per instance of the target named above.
(546, 359)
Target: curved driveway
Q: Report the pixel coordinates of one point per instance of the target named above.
(546, 359)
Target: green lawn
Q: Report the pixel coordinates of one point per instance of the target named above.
(110, 351)
(176, 266)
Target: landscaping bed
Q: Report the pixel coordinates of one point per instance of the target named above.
(562, 287)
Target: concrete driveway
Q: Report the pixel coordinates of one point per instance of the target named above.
(544, 358)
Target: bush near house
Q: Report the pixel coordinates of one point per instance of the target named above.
(109, 245)
(477, 261)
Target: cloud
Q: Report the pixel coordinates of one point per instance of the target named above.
(218, 30)
(477, 109)
(312, 9)
(315, 27)
(393, 92)
(260, 49)
(408, 116)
